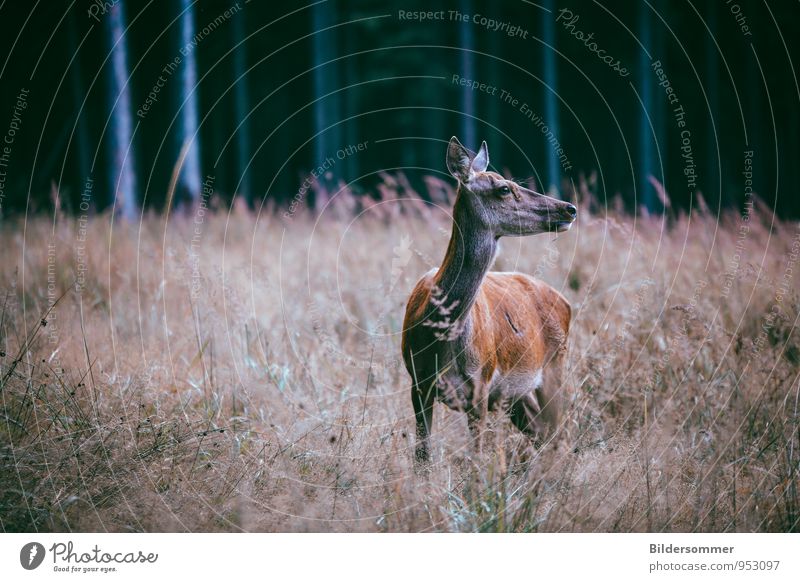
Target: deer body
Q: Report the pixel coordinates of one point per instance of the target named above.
(478, 341)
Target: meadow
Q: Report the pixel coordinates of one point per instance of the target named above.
(228, 370)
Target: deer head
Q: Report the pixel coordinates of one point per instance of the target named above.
(499, 205)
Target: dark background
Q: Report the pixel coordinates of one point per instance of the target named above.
(282, 86)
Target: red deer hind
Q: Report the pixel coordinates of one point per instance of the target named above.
(478, 341)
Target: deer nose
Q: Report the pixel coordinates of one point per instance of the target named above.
(571, 210)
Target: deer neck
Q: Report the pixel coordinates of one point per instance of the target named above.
(469, 255)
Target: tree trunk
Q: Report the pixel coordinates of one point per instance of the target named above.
(242, 107)
(122, 173)
(81, 137)
(326, 104)
(551, 114)
(467, 44)
(189, 179)
(645, 195)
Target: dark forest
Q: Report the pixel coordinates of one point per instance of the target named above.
(697, 98)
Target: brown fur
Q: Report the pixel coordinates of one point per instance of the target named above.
(540, 316)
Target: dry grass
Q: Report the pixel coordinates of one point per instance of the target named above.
(272, 397)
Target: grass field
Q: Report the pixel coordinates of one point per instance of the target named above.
(227, 372)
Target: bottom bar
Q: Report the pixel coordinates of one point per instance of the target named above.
(355, 557)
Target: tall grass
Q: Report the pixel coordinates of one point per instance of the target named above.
(229, 371)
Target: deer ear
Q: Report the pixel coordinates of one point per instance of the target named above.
(481, 160)
(459, 161)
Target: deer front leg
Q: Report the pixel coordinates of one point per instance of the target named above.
(477, 426)
(422, 401)
(477, 416)
(525, 412)
(552, 395)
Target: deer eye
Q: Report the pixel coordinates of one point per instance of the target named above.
(504, 190)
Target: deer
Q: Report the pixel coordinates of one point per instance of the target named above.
(478, 341)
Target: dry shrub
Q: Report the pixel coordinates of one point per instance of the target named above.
(241, 372)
